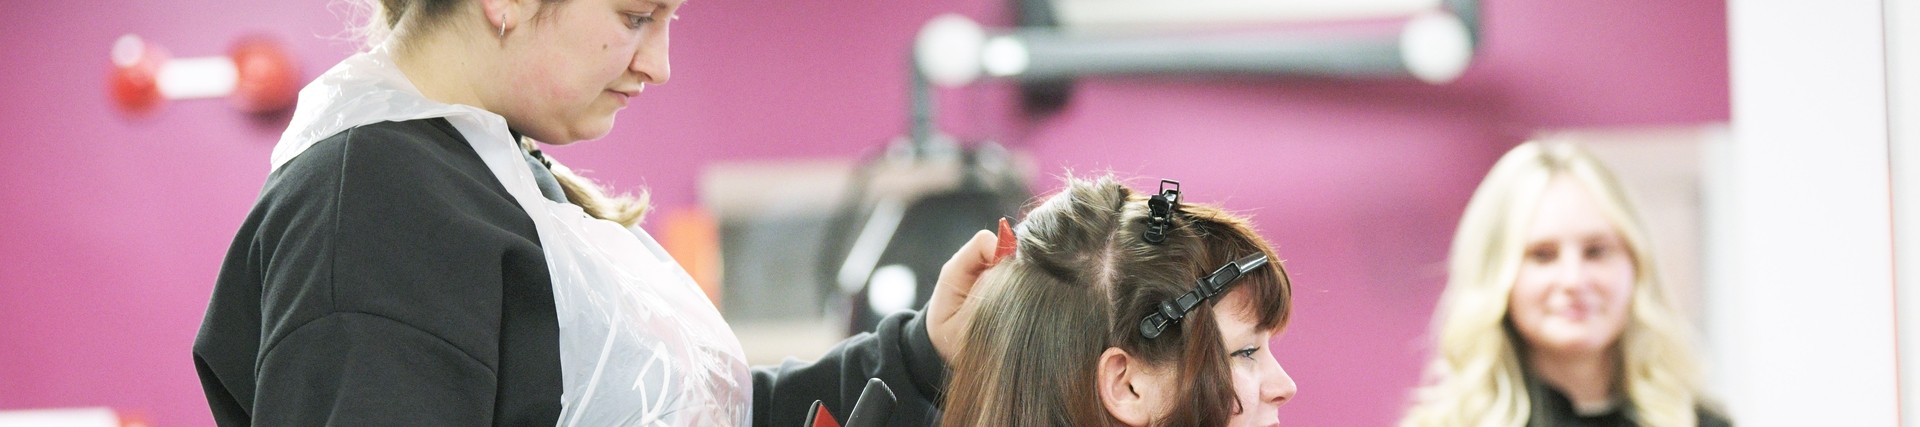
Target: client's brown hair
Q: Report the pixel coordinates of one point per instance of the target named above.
(1079, 283)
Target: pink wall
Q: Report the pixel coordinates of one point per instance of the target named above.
(114, 227)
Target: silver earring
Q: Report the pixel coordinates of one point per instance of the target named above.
(503, 24)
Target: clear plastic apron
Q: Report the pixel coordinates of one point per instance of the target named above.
(640, 345)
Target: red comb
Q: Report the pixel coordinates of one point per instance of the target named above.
(821, 418)
(1007, 243)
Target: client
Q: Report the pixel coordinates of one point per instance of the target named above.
(1117, 308)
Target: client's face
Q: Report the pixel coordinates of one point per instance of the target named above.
(1573, 293)
(1136, 394)
(1259, 382)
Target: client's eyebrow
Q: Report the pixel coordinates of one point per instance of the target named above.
(660, 4)
(1251, 336)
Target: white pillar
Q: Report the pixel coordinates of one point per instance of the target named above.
(1801, 315)
(1903, 90)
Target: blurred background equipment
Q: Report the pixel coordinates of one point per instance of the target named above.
(1059, 40)
(256, 75)
(905, 214)
(877, 231)
(817, 250)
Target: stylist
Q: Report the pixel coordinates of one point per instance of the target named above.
(414, 260)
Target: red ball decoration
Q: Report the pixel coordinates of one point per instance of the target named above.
(267, 80)
(136, 66)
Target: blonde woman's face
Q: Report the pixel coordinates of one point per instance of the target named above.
(1572, 293)
(573, 70)
(1259, 383)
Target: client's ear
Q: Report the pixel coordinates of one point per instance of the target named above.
(1125, 387)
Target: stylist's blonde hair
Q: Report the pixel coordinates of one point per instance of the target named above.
(383, 17)
(1475, 377)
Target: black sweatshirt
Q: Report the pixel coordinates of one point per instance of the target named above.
(385, 277)
(1551, 408)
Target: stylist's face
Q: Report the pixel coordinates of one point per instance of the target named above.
(1259, 383)
(573, 69)
(1572, 293)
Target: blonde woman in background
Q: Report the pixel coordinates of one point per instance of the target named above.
(1553, 314)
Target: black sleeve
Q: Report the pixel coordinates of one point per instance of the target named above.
(371, 287)
(363, 369)
(898, 352)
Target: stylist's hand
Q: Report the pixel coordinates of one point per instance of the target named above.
(951, 306)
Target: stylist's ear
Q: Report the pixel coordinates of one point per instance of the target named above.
(1125, 388)
(503, 15)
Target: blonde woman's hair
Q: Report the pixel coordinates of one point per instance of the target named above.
(1079, 283)
(382, 17)
(1476, 376)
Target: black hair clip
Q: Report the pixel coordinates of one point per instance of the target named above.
(1160, 212)
(1170, 312)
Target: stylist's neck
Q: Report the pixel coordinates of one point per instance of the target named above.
(1587, 378)
(446, 65)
